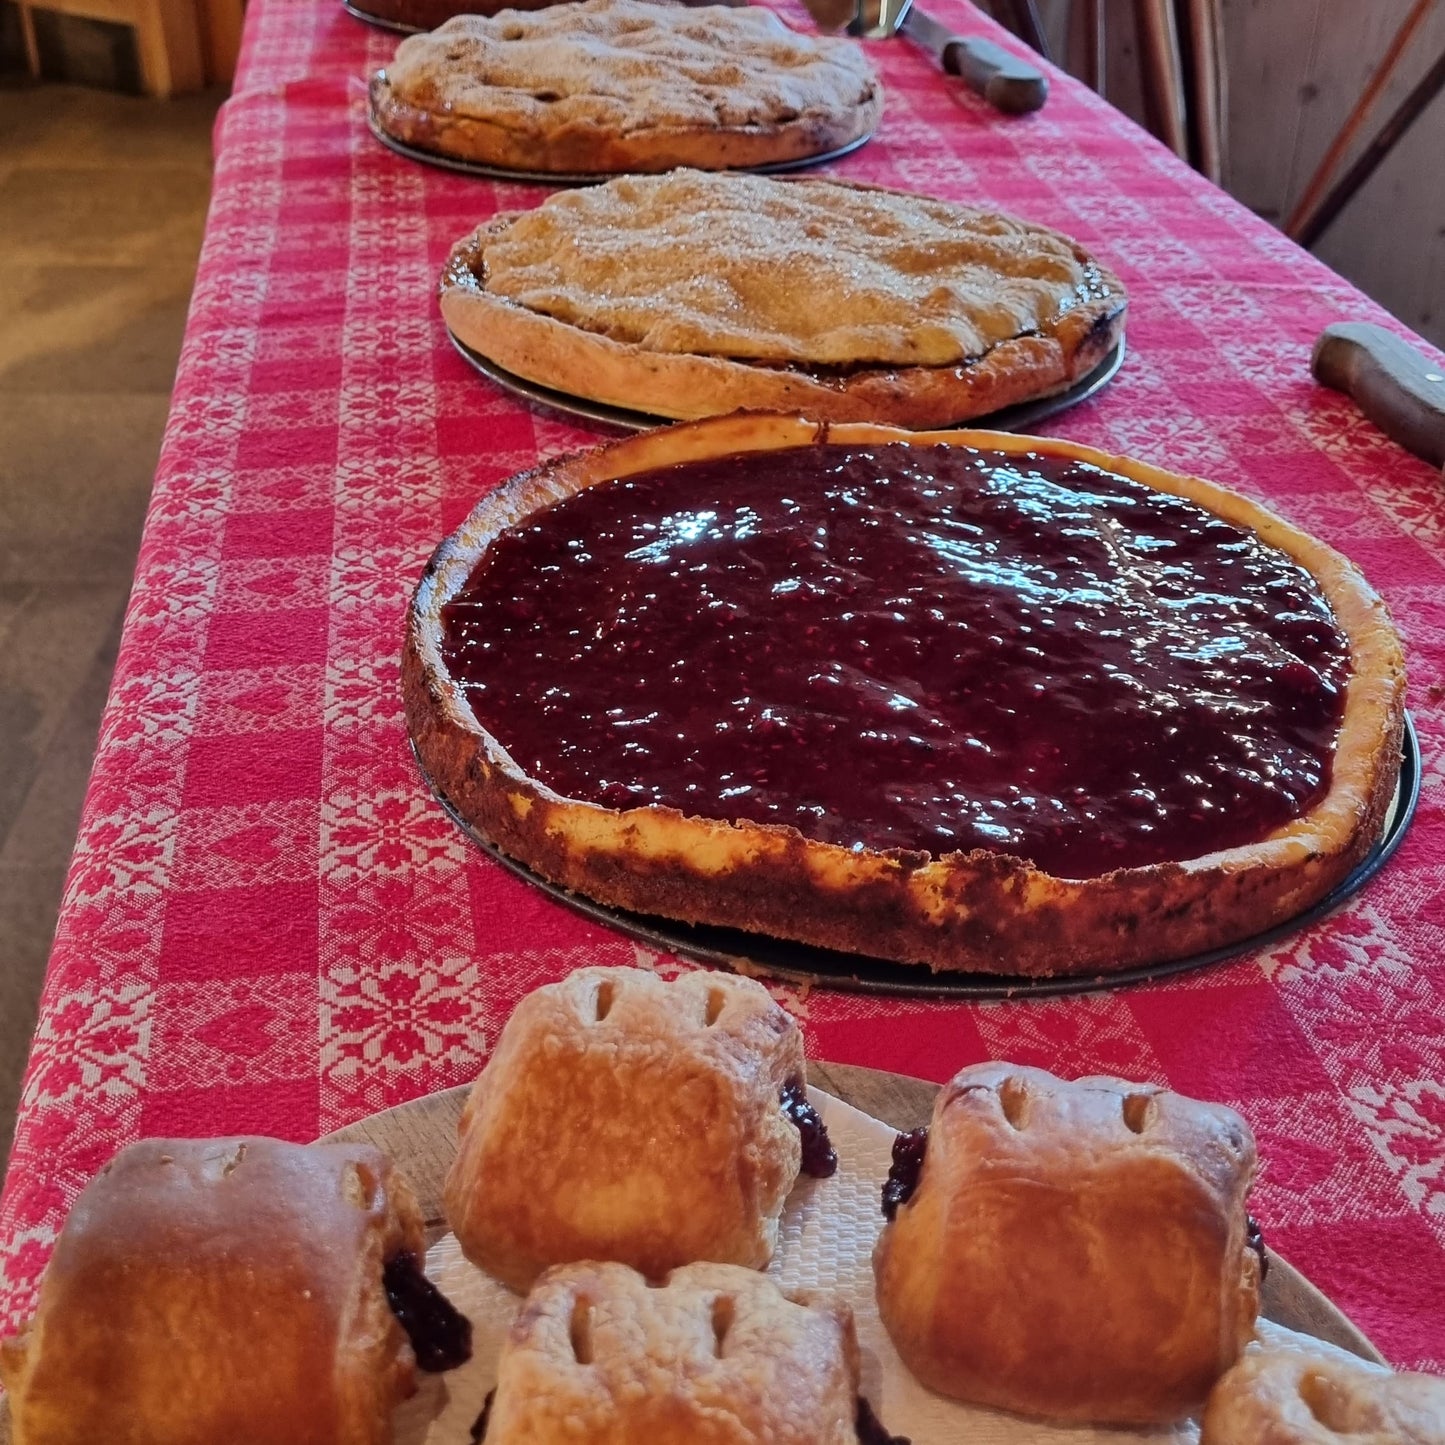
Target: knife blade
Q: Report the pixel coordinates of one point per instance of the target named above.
(1400, 390)
(1007, 83)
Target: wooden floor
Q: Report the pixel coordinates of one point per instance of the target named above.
(104, 199)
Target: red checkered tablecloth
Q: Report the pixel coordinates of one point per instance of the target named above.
(270, 926)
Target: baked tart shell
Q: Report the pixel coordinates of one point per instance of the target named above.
(980, 910)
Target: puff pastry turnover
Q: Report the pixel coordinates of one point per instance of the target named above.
(624, 1118)
(229, 1291)
(626, 85)
(1073, 1250)
(1289, 1397)
(716, 1353)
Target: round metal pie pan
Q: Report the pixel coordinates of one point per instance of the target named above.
(1023, 417)
(576, 178)
(801, 963)
(382, 22)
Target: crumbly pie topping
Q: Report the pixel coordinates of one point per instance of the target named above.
(803, 272)
(630, 65)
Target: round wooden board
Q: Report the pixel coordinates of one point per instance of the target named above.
(421, 1136)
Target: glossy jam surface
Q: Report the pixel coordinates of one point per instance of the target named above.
(909, 1152)
(921, 648)
(1254, 1239)
(820, 1159)
(440, 1335)
(870, 1428)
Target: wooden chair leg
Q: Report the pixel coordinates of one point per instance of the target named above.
(169, 40)
(1206, 85)
(1163, 72)
(1096, 45)
(32, 46)
(221, 22)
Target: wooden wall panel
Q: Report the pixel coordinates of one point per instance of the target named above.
(1295, 69)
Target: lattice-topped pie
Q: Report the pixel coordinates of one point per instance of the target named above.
(968, 699)
(605, 86)
(692, 295)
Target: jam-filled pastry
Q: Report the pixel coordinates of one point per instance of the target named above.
(1293, 1397)
(622, 1117)
(1077, 1251)
(231, 1292)
(714, 1353)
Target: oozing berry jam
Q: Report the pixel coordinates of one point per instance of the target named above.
(819, 1157)
(871, 1431)
(1254, 1239)
(908, 1153)
(441, 1336)
(923, 648)
(478, 1432)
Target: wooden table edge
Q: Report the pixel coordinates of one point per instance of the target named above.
(421, 1137)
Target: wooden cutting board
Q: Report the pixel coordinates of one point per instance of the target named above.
(421, 1136)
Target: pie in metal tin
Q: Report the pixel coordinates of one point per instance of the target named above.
(611, 86)
(697, 294)
(1100, 902)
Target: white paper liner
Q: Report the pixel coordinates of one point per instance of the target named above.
(829, 1227)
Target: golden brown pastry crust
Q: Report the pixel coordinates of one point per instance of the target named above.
(621, 1117)
(1292, 1397)
(226, 1290)
(981, 910)
(1073, 1250)
(693, 295)
(608, 86)
(716, 1354)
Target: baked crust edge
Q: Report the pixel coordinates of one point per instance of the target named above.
(687, 386)
(980, 911)
(592, 150)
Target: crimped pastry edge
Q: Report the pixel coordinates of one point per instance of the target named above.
(591, 150)
(981, 910)
(686, 386)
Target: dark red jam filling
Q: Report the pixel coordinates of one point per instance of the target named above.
(922, 648)
(870, 1431)
(478, 1432)
(907, 1168)
(1254, 1239)
(441, 1336)
(820, 1159)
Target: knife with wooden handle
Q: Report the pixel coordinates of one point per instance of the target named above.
(1007, 83)
(1400, 390)
(1001, 78)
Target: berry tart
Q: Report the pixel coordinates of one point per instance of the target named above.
(965, 699)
